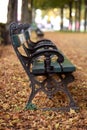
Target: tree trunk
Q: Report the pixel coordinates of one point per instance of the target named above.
(11, 16)
(80, 1)
(61, 18)
(76, 15)
(85, 14)
(26, 11)
(70, 15)
(12, 11)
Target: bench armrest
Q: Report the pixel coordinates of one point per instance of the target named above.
(36, 48)
(48, 53)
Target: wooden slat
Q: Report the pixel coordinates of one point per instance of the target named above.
(67, 66)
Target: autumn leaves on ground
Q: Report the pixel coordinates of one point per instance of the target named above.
(14, 89)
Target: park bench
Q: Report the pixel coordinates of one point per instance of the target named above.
(39, 32)
(42, 60)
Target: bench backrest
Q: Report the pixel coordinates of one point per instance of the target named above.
(19, 40)
(28, 57)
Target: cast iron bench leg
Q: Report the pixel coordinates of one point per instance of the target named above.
(50, 90)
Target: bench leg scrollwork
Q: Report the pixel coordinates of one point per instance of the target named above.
(50, 86)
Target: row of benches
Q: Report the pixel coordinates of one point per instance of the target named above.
(42, 58)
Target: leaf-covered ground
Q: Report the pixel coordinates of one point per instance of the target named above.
(14, 89)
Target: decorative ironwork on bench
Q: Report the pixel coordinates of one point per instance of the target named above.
(38, 61)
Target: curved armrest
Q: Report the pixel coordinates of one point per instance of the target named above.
(44, 46)
(33, 45)
(48, 52)
(44, 41)
(36, 48)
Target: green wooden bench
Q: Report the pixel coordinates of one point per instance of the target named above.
(44, 61)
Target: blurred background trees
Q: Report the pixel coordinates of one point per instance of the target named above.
(77, 13)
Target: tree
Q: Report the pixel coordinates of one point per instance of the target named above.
(44, 4)
(85, 1)
(70, 13)
(12, 11)
(26, 16)
(61, 17)
(11, 16)
(80, 3)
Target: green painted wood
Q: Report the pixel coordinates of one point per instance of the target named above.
(38, 66)
(67, 66)
(16, 41)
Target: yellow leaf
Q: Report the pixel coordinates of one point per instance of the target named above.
(72, 111)
(57, 125)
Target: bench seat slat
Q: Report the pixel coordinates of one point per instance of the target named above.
(67, 66)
